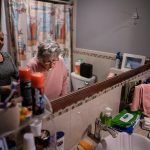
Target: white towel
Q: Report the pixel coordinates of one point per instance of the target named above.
(147, 123)
(146, 127)
(147, 119)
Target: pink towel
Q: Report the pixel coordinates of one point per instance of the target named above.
(141, 99)
(146, 98)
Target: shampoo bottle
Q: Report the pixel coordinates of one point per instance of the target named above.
(118, 60)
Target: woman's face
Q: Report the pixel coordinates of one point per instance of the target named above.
(47, 62)
(1, 40)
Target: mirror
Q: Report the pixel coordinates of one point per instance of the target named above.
(107, 28)
(89, 92)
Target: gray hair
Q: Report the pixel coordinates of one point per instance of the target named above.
(51, 49)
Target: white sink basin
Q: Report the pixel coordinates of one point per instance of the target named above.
(125, 141)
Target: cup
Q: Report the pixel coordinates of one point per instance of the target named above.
(36, 127)
(60, 140)
(28, 142)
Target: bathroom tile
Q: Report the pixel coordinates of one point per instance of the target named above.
(93, 110)
(78, 123)
(60, 123)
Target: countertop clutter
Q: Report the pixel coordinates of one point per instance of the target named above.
(89, 144)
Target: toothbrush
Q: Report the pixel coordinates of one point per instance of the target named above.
(13, 90)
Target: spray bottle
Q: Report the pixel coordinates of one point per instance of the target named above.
(25, 86)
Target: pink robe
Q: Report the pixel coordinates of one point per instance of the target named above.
(55, 78)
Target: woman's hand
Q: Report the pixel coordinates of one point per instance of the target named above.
(5, 89)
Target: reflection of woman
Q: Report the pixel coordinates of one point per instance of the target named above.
(48, 62)
(8, 70)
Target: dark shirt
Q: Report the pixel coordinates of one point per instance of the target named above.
(8, 70)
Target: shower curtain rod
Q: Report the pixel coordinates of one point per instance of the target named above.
(58, 2)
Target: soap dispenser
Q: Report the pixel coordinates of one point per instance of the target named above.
(108, 116)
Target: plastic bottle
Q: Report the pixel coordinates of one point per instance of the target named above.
(25, 85)
(77, 66)
(37, 84)
(118, 60)
(108, 116)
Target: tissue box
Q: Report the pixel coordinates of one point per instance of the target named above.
(86, 70)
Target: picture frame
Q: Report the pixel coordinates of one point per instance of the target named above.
(132, 61)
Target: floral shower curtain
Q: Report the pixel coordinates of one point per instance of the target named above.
(32, 22)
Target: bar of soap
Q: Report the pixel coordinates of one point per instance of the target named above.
(85, 145)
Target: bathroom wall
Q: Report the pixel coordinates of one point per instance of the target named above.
(101, 61)
(107, 25)
(75, 119)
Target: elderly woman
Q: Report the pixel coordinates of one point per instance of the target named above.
(8, 70)
(48, 62)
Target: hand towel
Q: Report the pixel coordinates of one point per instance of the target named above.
(145, 127)
(147, 119)
(146, 98)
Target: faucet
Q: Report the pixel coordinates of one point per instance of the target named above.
(99, 126)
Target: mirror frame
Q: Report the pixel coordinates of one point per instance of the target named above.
(74, 97)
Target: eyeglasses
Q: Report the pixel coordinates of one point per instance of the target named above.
(44, 61)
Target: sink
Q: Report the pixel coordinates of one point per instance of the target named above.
(124, 141)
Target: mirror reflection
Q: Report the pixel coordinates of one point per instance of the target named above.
(97, 37)
(52, 66)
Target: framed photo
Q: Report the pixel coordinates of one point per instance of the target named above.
(131, 61)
